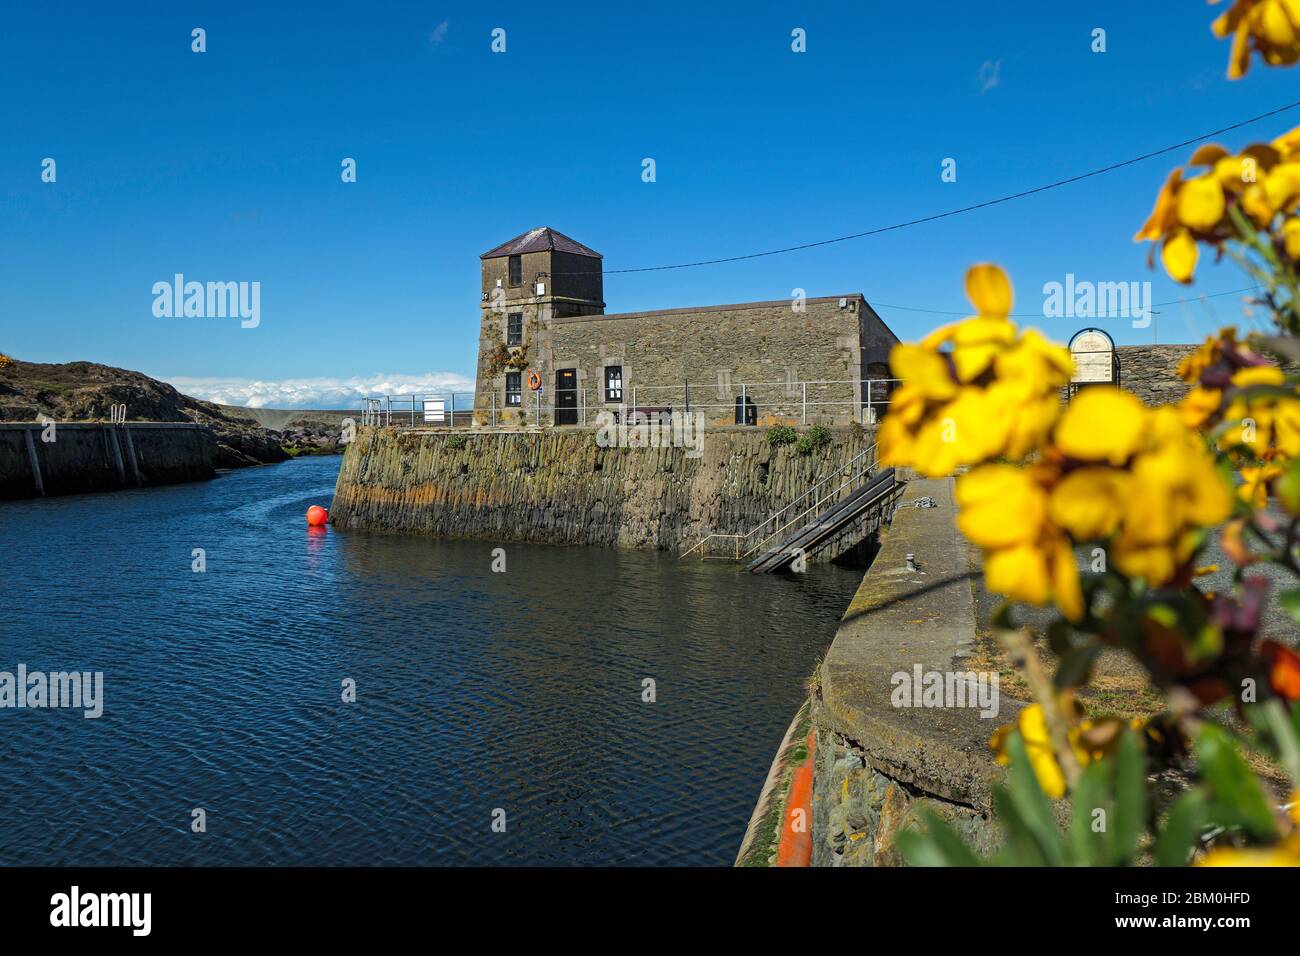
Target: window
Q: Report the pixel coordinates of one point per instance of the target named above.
(516, 270)
(515, 328)
(613, 383)
(514, 395)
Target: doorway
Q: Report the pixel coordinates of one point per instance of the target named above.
(566, 396)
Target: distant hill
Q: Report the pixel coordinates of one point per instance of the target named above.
(84, 391)
(289, 419)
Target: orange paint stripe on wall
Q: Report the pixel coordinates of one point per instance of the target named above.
(795, 845)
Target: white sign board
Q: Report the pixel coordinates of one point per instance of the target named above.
(434, 411)
(1094, 357)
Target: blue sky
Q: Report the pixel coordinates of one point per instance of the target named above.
(225, 165)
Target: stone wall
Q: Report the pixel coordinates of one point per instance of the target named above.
(711, 350)
(876, 764)
(98, 457)
(1150, 372)
(559, 486)
(764, 344)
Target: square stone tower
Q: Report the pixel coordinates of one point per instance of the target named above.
(535, 277)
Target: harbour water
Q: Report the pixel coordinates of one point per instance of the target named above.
(476, 691)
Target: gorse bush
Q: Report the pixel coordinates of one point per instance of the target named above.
(1145, 489)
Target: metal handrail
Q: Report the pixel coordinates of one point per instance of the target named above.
(715, 534)
(847, 465)
(775, 515)
(795, 521)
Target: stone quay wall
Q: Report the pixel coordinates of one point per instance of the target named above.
(88, 457)
(876, 764)
(558, 486)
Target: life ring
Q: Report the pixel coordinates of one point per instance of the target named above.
(534, 380)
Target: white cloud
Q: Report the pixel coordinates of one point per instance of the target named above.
(990, 75)
(439, 33)
(337, 393)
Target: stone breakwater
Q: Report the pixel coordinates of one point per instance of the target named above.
(99, 457)
(559, 486)
(877, 762)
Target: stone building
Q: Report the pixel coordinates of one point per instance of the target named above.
(544, 324)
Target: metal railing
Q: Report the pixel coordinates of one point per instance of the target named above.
(744, 402)
(419, 410)
(862, 465)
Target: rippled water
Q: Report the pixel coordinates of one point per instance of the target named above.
(475, 690)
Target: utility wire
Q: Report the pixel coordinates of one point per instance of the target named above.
(956, 212)
(1039, 315)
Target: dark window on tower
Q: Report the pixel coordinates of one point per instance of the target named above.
(613, 383)
(516, 270)
(514, 395)
(515, 328)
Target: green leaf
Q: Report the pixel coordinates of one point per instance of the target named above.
(1130, 799)
(940, 845)
(1237, 798)
(918, 849)
(1032, 805)
(1284, 735)
(1058, 636)
(1182, 832)
(1088, 847)
(1020, 848)
(1290, 601)
(1075, 664)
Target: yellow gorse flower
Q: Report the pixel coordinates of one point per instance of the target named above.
(1140, 478)
(973, 390)
(1266, 426)
(1032, 725)
(1263, 180)
(1090, 740)
(1270, 28)
(1115, 471)
(1106, 469)
(1210, 351)
(1004, 510)
(1286, 853)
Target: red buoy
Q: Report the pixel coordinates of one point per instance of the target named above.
(316, 515)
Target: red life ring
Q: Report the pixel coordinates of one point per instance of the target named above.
(534, 380)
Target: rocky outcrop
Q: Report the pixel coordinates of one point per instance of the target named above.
(86, 391)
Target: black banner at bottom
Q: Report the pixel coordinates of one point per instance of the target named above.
(338, 905)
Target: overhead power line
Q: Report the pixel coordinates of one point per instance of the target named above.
(964, 209)
(1039, 315)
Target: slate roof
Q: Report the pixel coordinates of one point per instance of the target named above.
(541, 239)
